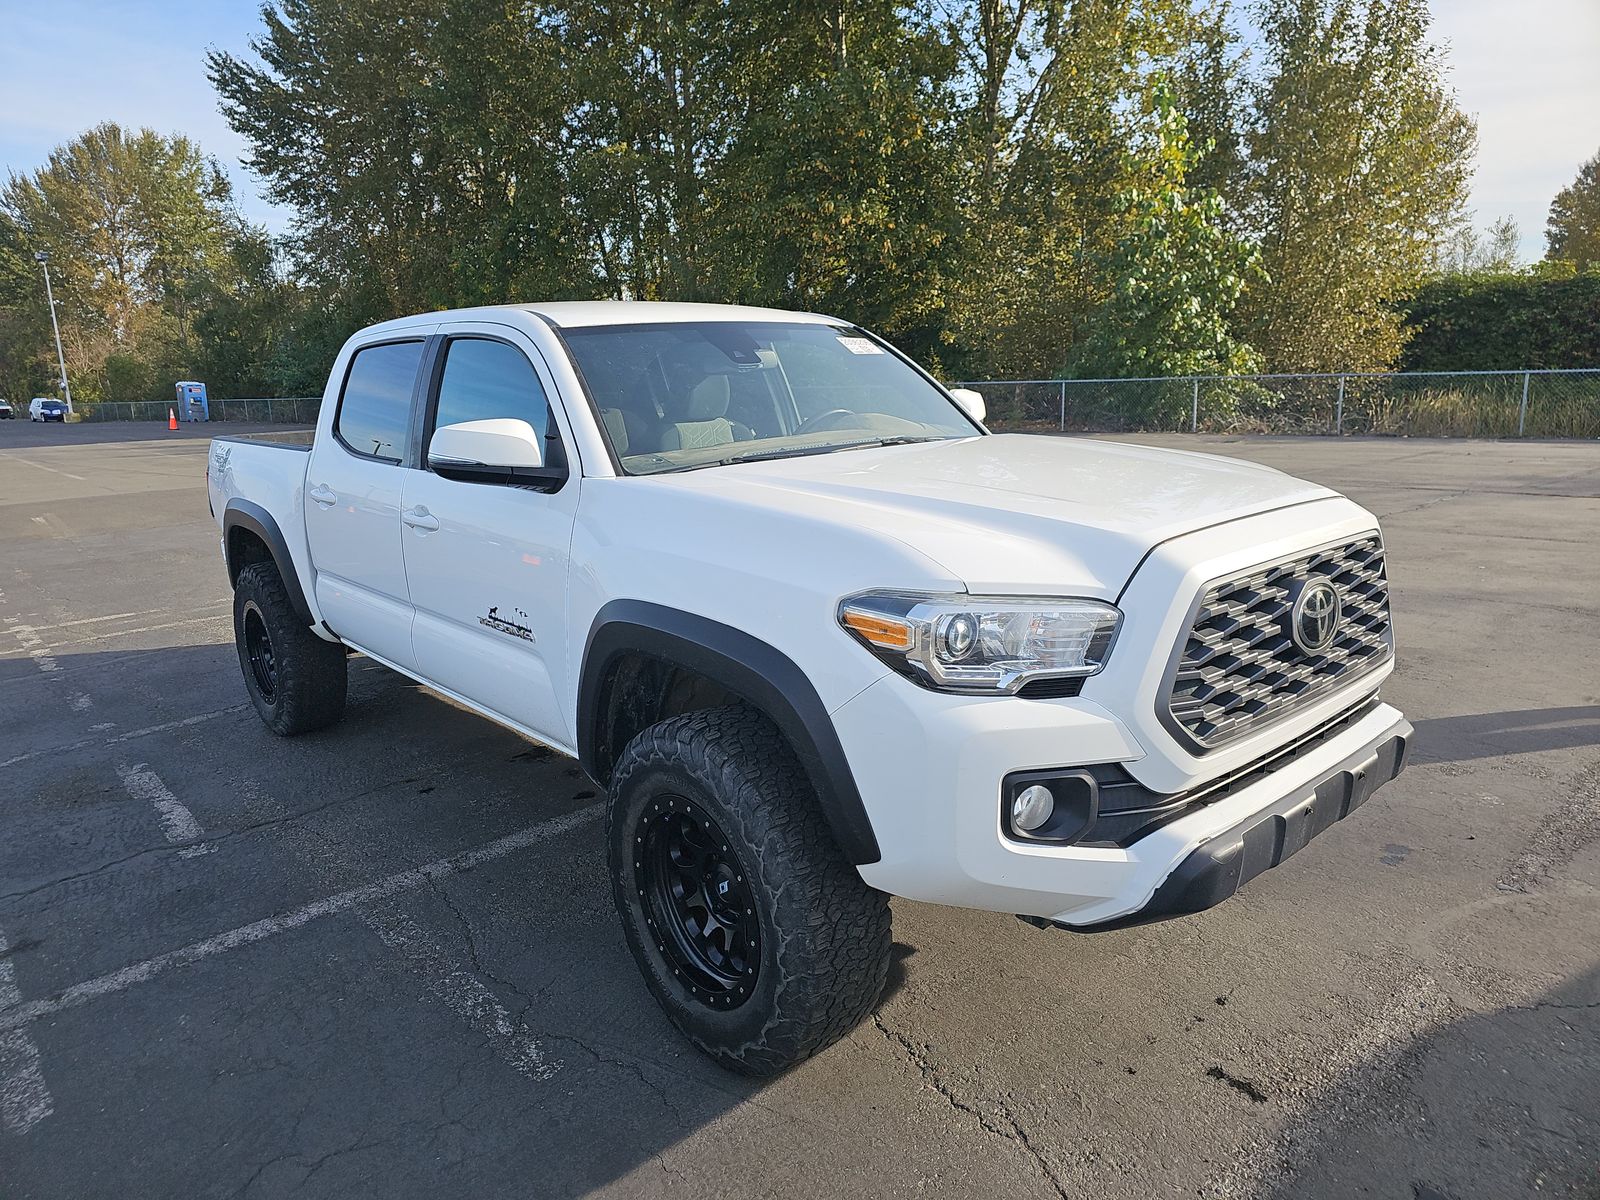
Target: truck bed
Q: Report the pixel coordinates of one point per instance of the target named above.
(289, 439)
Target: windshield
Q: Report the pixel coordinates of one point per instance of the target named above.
(698, 394)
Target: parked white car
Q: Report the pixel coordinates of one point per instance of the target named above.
(42, 408)
(5, 410)
(820, 636)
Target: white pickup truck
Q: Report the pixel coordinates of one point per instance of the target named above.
(820, 636)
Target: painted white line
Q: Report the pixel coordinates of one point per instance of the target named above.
(24, 1098)
(176, 819)
(108, 617)
(18, 1015)
(116, 633)
(34, 645)
(42, 467)
(40, 521)
(460, 991)
(122, 737)
(441, 970)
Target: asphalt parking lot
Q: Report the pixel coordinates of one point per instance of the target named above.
(381, 960)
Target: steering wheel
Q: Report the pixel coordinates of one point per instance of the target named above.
(806, 425)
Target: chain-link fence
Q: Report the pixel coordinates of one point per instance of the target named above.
(292, 410)
(1542, 404)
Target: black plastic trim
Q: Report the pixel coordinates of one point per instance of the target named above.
(245, 514)
(1215, 870)
(744, 665)
(588, 396)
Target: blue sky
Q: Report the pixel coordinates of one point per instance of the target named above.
(1525, 69)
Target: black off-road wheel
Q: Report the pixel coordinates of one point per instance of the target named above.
(296, 680)
(753, 932)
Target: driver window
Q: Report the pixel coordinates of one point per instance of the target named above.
(485, 379)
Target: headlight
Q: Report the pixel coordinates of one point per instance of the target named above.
(982, 644)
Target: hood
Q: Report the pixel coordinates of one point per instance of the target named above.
(1016, 513)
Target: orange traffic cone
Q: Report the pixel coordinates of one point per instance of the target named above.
(172, 419)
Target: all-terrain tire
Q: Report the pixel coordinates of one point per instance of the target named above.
(823, 934)
(299, 684)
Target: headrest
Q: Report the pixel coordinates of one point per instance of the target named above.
(703, 401)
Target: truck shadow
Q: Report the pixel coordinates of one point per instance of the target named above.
(1489, 735)
(417, 1030)
(1493, 1105)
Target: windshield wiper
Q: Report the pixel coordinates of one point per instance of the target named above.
(904, 439)
(804, 451)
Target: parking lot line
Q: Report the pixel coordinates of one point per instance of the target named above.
(132, 734)
(39, 465)
(116, 633)
(107, 617)
(176, 820)
(17, 1015)
(24, 1098)
(35, 647)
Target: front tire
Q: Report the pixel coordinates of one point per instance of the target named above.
(296, 680)
(757, 937)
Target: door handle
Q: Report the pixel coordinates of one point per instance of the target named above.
(420, 518)
(324, 495)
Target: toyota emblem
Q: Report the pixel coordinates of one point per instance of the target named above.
(1314, 616)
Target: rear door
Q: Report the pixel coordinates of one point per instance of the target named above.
(487, 562)
(352, 499)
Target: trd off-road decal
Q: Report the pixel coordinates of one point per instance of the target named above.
(497, 622)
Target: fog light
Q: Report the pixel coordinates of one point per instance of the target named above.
(1032, 808)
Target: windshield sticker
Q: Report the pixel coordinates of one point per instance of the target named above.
(860, 345)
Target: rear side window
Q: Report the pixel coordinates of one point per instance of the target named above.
(375, 408)
(484, 380)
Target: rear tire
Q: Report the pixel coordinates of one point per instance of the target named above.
(756, 936)
(296, 680)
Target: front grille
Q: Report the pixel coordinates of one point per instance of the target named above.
(1240, 670)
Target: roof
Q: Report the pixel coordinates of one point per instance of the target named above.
(579, 314)
(576, 314)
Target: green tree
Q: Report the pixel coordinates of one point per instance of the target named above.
(1359, 162)
(1049, 94)
(138, 228)
(420, 145)
(1572, 231)
(1178, 271)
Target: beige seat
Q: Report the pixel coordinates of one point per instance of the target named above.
(697, 416)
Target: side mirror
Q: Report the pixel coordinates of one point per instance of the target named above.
(971, 403)
(501, 450)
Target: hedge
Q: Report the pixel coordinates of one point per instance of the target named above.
(1533, 319)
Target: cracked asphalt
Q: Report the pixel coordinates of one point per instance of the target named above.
(381, 960)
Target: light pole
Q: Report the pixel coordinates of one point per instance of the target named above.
(43, 260)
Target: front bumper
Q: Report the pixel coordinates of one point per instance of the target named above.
(929, 769)
(1219, 867)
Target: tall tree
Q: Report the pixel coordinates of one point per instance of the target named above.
(1178, 272)
(1049, 95)
(138, 228)
(1359, 163)
(1572, 232)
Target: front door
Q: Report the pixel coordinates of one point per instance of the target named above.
(352, 500)
(487, 562)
